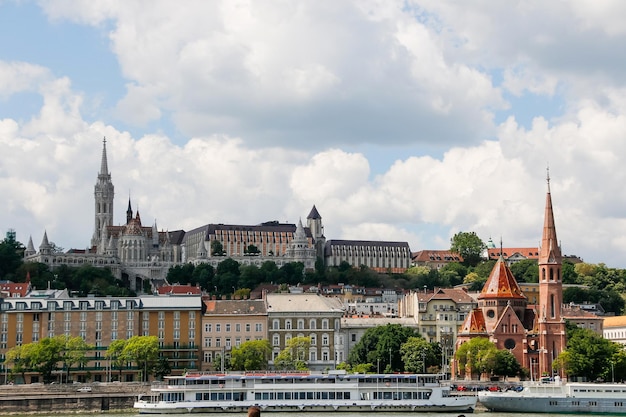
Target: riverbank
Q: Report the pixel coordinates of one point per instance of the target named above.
(70, 398)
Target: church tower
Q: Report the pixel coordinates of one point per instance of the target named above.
(552, 337)
(314, 223)
(103, 193)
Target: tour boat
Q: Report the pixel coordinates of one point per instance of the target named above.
(559, 397)
(303, 391)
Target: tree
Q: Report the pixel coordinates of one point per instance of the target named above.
(469, 246)
(418, 354)
(144, 351)
(589, 355)
(73, 351)
(162, 368)
(295, 354)
(115, 355)
(20, 357)
(11, 255)
(525, 270)
(44, 357)
(250, 356)
(505, 364)
(217, 249)
(474, 356)
(380, 346)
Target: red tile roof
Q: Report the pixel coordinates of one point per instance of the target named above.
(177, 289)
(501, 283)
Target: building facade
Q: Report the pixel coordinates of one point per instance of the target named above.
(227, 324)
(306, 315)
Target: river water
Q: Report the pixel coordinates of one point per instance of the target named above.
(319, 414)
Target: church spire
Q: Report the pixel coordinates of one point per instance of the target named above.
(552, 337)
(550, 251)
(103, 196)
(104, 166)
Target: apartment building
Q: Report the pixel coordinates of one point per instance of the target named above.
(306, 315)
(99, 321)
(227, 324)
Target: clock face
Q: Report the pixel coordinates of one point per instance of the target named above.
(491, 314)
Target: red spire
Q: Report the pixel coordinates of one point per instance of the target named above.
(550, 251)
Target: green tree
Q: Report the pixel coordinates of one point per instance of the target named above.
(11, 255)
(116, 357)
(20, 358)
(144, 351)
(469, 246)
(250, 356)
(44, 357)
(217, 249)
(162, 368)
(73, 351)
(502, 363)
(380, 346)
(588, 355)
(475, 355)
(525, 270)
(295, 354)
(418, 355)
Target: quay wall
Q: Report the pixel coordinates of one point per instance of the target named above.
(66, 398)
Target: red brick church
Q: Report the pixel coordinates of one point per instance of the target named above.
(535, 334)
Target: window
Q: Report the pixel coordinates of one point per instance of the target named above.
(276, 325)
(248, 327)
(313, 337)
(208, 357)
(325, 324)
(288, 324)
(228, 327)
(208, 328)
(300, 324)
(218, 342)
(237, 327)
(276, 340)
(218, 327)
(176, 334)
(324, 339)
(259, 327)
(207, 342)
(192, 334)
(177, 315)
(312, 324)
(238, 341)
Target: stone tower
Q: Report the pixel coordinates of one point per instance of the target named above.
(552, 337)
(314, 223)
(103, 193)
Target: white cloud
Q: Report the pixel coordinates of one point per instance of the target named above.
(275, 101)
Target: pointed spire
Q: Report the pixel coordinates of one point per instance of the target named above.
(30, 248)
(501, 283)
(314, 214)
(550, 251)
(104, 166)
(44, 241)
(129, 211)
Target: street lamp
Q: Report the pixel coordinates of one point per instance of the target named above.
(612, 372)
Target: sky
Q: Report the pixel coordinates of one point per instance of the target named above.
(399, 120)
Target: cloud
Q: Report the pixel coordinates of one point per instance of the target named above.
(276, 106)
(291, 74)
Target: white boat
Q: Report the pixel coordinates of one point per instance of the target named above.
(297, 392)
(558, 397)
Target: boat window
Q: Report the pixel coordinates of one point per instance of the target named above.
(346, 395)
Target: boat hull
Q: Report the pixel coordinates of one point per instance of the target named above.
(565, 405)
(459, 404)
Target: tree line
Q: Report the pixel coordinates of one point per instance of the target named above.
(66, 353)
(597, 283)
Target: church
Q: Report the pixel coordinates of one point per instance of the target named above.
(534, 334)
(137, 253)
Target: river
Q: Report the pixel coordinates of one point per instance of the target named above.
(318, 414)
